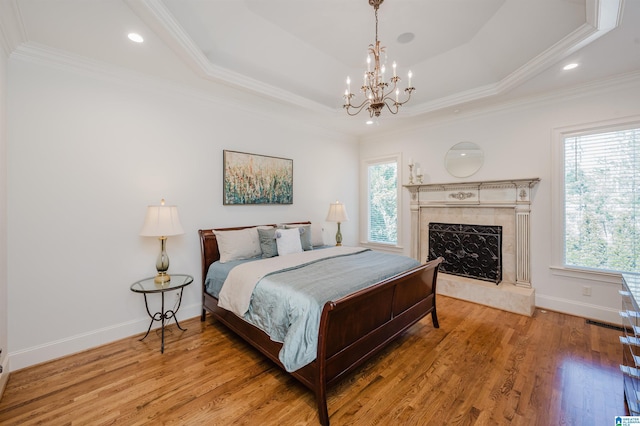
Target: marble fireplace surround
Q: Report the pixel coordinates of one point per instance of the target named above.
(505, 203)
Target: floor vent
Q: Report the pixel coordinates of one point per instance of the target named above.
(605, 325)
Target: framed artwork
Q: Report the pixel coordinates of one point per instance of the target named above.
(256, 179)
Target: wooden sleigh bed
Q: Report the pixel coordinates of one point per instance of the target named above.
(352, 328)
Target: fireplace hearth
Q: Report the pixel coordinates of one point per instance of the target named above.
(472, 251)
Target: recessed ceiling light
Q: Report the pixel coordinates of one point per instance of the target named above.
(570, 66)
(135, 37)
(369, 121)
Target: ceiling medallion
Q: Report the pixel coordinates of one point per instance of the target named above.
(376, 91)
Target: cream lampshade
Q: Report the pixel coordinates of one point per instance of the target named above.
(337, 213)
(162, 221)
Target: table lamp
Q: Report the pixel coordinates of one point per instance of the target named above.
(337, 213)
(162, 221)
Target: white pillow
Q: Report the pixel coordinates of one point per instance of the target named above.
(238, 244)
(288, 241)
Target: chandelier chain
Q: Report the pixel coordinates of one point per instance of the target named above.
(376, 12)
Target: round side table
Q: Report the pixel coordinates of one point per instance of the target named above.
(148, 286)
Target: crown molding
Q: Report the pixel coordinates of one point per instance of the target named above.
(46, 56)
(12, 29)
(590, 88)
(602, 17)
(605, 85)
(155, 14)
(59, 59)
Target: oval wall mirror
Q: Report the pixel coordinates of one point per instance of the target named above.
(464, 159)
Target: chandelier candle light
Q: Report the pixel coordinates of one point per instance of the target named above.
(376, 91)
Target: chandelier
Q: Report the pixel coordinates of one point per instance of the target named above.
(377, 92)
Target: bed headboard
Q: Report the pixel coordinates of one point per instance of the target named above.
(209, 252)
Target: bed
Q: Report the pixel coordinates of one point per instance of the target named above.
(351, 328)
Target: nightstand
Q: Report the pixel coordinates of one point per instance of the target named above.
(148, 286)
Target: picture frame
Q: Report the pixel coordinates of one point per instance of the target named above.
(256, 179)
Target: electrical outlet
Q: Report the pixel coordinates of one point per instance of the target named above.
(586, 290)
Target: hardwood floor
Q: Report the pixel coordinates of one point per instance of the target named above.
(482, 367)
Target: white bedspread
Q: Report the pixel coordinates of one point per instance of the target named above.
(237, 289)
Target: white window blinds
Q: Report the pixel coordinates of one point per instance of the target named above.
(383, 202)
(601, 178)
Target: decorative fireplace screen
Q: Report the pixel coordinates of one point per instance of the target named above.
(473, 251)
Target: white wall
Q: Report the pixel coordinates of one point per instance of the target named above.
(89, 152)
(517, 141)
(4, 359)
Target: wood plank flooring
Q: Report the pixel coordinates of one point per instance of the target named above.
(482, 367)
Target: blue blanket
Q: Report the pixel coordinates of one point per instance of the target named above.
(287, 305)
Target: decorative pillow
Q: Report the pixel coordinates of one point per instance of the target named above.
(238, 244)
(268, 242)
(317, 234)
(305, 235)
(288, 241)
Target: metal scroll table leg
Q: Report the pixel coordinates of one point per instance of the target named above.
(153, 316)
(158, 316)
(172, 314)
(163, 321)
(163, 316)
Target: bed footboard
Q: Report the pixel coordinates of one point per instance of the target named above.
(358, 326)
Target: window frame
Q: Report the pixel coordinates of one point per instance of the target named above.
(558, 266)
(365, 207)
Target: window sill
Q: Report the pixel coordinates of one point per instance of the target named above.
(389, 248)
(584, 274)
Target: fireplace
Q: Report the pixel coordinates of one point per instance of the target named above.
(473, 251)
(482, 206)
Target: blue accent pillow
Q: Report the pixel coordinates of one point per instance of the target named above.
(268, 242)
(305, 236)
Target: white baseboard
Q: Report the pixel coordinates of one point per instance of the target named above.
(585, 310)
(52, 350)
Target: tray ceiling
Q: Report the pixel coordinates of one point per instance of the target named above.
(300, 52)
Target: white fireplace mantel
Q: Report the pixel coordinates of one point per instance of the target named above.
(512, 194)
(496, 192)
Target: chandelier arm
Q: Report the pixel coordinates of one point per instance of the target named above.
(390, 92)
(395, 104)
(357, 108)
(409, 90)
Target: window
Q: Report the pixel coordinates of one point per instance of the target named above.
(382, 200)
(601, 178)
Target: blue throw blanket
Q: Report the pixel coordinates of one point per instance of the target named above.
(287, 305)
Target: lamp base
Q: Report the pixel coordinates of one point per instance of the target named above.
(162, 278)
